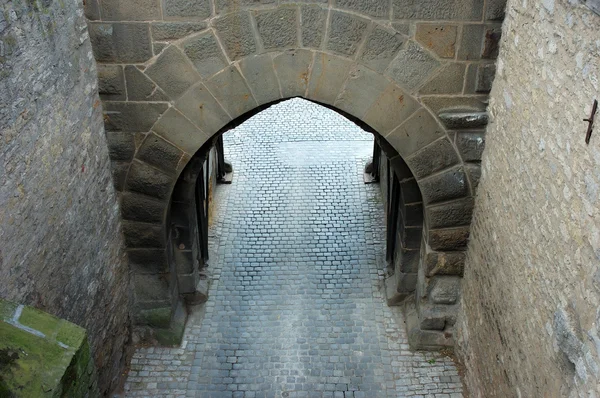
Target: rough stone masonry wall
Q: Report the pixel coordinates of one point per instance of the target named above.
(530, 320)
(60, 240)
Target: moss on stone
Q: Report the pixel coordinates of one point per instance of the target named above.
(7, 309)
(70, 334)
(39, 320)
(157, 317)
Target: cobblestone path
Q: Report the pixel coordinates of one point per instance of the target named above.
(295, 307)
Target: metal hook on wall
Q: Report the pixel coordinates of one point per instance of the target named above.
(590, 121)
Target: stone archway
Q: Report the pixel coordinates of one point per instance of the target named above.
(170, 85)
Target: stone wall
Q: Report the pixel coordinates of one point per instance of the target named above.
(59, 219)
(530, 320)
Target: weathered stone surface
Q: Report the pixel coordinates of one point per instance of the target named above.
(121, 146)
(293, 70)
(230, 89)
(131, 116)
(400, 27)
(474, 173)
(449, 80)
(176, 128)
(236, 34)
(133, 10)
(483, 79)
(464, 120)
(329, 72)
(202, 109)
(452, 214)
(363, 87)
(381, 47)
(205, 53)
(136, 207)
(418, 130)
(444, 263)
(390, 109)
(445, 289)
(111, 83)
(140, 88)
(260, 76)
(187, 9)
(151, 288)
(471, 42)
(120, 42)
(451, 184)
(91, 10)
(420, 339)
(434, 157)
(410, 191)
(495, 10)
(439, 38)
(143, 235)
(469, 10)
(223, 6)
(173, 72)
(448, 239)
(470, 144)
(119, 174)
(436, 316)
(439, 104)
(148, 261)
(157, 47)
(346, 32)
(376, 8)
(155, 317)
(175, 30)
(491, 42)
(149, 181)
(412, 66)
(278, 29)
(313, 25)
(160, 153)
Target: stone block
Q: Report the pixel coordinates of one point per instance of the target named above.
(131, 10)
(223, 6)
(120, 42)
(236, 34)
(410, 191)
(202, 109)
(413, 213)
(205, 53)
(313, 25)
(363, 87)
(158, 47)
(278, 29)
(416, 132)
(402, 28)
(391, 109)
(399, 166)
(143, 235)
(142, 208)
(176, 128)
(407, 262)
(152, 288)
(464, 120)
(474, 174)
(419, 339)
(495, 10)
(165, 31)
(132, 116)
(439, 104)
(173, 72)
(434, 157)
(439, 38)
(412, 67)
(484, 78)
(173, 335)
(412, 237)
(293, 70)
(198, 9)
(260, 76)
(451, 184)
(119, 172)
(121, 146)
(140, 88)
(158, 152)
(148, 261)
(444, 263)
(200, 295)
(394, 295)
(328, 75)
(445, 289)
(230, 89)
(149, 181)
(186, 283)
(436, 316)
(346, 32)
(381, 47)
(480, 41)
(449, 80)
(155, 317)
(470, 144)
(463, 10)
(452, 214)
(454, 239)
(491, 42)
(375, 8)
(111, 82)
(91, 9)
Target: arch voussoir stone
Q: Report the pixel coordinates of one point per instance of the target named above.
(292, 68)
(259, 72)
(201, 108)
(232, 92)
(173, 72)
(329, 73)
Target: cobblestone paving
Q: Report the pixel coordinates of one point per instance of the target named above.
(295, 307)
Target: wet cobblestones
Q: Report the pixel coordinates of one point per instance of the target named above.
(296, 268)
